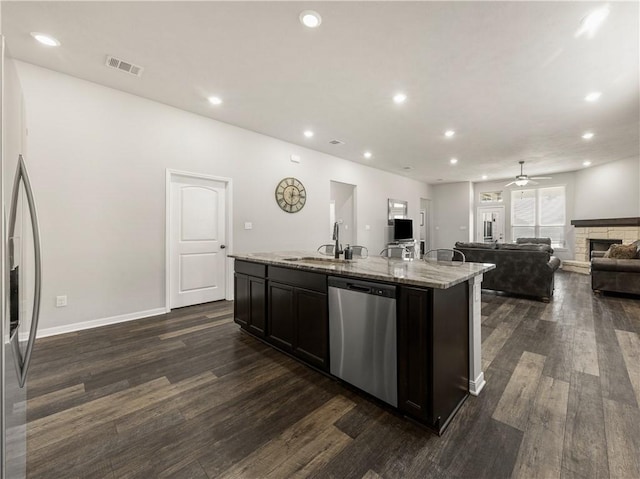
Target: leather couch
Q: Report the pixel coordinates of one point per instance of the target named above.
(524, 269)
(615, 275)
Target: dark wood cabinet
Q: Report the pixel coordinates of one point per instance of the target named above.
(312, 331)
(297, 321)
(250, 306)
(282, 315)
(433, 355)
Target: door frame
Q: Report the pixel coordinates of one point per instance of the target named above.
(228, 188)
(482, 209)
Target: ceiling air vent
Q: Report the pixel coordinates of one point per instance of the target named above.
(336, 142)
(123, 66)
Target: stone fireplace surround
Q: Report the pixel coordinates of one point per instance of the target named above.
(625, 229)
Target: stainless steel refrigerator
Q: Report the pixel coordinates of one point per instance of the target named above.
(21, 275)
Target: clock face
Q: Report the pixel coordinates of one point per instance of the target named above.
(291, 195)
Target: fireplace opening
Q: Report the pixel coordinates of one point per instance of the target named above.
(596, 244)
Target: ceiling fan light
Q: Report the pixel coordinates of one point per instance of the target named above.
(522, 182)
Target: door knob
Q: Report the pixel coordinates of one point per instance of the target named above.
(222, 246)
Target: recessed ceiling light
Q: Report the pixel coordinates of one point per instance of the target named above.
(586, 163)
(310, 19)
(45, 39)
(449, 133)
(399, 98)
(592, 22)
(484, 177)
(453, 161)
(308, 133)
(593, 96)
(588, 135)
(367, 154)
(214, 100)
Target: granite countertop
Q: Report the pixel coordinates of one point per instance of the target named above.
(429, 274)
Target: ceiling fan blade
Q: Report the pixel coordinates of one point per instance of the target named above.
(532, 182)
(541, 178)
(509, 184)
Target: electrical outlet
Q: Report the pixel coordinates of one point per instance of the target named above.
(61, 301)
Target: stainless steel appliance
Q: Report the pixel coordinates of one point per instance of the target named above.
(21, 276)
(362, 336)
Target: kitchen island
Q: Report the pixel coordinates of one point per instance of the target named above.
(284, 298)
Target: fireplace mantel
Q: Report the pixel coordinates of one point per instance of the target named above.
(606, 222)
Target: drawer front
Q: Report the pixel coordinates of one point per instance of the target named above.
(252, 269)
(300, 279)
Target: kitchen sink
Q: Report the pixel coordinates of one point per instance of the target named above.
(321, 261)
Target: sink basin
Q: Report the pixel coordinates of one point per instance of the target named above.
(322, 261)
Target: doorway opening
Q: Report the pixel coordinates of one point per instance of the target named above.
(198, 239)
(425, 225)
(342, 208)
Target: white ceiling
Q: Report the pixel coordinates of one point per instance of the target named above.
(509, 78)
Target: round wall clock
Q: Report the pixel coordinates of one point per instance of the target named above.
(291, 195)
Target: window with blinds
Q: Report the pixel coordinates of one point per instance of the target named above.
(539, 212)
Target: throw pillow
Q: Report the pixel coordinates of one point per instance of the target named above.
(637, 245)
(622, 251)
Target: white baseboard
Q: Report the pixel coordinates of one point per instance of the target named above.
(69, 328)
(476, 386)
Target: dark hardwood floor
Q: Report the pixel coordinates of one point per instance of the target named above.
(188, 395)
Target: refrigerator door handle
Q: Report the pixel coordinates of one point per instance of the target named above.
(22, 363)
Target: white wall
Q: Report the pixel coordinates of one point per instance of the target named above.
(451, 213)
(611, 190)
(98, 158)
(13, 128)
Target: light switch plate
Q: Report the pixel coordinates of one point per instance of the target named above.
(248, 225)
(61, 301)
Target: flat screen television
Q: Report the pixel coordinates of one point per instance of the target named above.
(402, 229)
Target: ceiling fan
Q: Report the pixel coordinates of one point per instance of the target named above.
(523, 180)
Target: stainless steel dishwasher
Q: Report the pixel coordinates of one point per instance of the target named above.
(362, 336)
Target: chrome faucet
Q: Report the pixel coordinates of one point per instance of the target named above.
(336, 236)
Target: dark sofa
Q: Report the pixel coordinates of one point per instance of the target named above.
(525, 269)
(615, 275)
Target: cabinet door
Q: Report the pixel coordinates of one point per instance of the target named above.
(242, 303)
(414, 351)
(281, 316)
(312, 328)
(258, 306)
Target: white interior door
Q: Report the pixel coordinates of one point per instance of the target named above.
(490, 224)
(197, 241)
